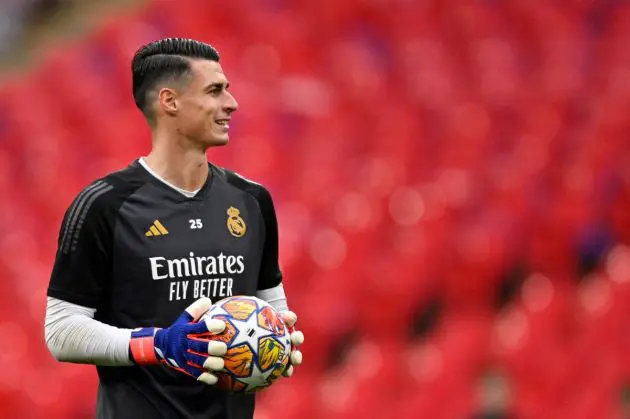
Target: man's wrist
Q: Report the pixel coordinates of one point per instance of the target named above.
(142, 346)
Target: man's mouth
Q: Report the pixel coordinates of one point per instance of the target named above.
(223, 122)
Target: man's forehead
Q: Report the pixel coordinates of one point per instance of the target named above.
(207, 71)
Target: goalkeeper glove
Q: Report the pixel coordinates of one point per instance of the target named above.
(297, 338)
(179, 346)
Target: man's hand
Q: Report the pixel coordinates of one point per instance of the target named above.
(178, 348)
(297, 338)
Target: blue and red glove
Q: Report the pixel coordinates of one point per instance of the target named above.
(179, 347)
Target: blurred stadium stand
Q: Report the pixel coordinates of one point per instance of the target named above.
(452, 181)
(19, 17)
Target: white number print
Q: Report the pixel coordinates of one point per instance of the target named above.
(195, 224)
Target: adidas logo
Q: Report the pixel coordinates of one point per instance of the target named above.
(157, 229)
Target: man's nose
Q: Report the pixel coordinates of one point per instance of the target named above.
(231, 104)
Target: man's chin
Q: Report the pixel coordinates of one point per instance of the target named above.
(218, 141)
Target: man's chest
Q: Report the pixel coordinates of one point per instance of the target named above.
(169, 254)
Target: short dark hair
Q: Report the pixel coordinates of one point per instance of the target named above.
(162, 60)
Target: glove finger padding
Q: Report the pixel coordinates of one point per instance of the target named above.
(297, 338)
(207, 327)
(194, 311)
(214, 363)
(206, 347)
(207, 378)
(205, 363)
(199, 308)
(296, 358)
(289, 318)
(288, 372)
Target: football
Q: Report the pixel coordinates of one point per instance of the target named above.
(258, 343)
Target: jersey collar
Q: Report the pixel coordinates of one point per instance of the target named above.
(174, 193)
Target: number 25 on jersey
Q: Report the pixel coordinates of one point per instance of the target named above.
(195, 223)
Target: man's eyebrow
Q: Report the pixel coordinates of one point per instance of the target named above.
(217, 85)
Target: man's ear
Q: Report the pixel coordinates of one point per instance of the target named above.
(167, 99)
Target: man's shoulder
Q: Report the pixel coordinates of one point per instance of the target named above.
(131, 176)
(243, 183)
(255, 189)
(111, 190)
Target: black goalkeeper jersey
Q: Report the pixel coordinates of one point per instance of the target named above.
(140, 252)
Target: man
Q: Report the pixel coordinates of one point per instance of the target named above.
(140, 245)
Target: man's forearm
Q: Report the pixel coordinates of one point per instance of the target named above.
(72, 335)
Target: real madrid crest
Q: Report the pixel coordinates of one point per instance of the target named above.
(235, 224)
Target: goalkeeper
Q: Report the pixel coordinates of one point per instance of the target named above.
(142, 252)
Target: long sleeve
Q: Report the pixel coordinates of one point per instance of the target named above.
(274, 296)
(73, 335)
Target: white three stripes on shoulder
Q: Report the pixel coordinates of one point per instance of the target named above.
(78, 212)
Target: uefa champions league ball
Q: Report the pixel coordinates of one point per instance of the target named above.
(258, 343)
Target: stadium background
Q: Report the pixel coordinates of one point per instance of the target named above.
(452, 181)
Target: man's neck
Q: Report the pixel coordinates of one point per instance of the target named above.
(184, 167)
